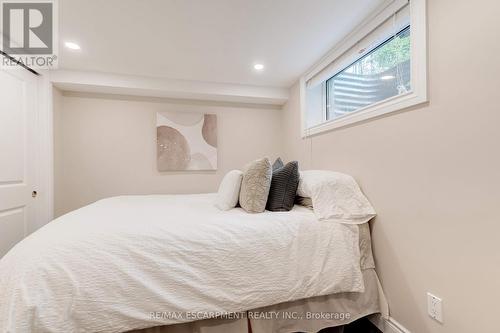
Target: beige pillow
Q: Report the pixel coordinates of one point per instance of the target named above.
(255, 186)
(304, 201)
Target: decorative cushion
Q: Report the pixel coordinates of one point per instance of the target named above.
(283, 187)
(304, 201)
(255, 186)
(229, 190)
(278, 164)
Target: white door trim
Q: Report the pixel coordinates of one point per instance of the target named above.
(45, 149)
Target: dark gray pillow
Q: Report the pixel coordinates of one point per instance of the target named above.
(283, 189)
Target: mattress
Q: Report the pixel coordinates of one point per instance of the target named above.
(112, 265)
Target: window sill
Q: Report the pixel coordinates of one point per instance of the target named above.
(388, 106)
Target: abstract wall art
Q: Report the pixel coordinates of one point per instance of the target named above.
(186, 141)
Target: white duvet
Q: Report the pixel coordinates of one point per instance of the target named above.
(138, 261)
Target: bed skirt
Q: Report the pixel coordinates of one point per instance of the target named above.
(305, 315)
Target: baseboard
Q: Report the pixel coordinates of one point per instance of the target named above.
(389, 325)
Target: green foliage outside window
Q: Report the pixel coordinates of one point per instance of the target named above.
(393, 52)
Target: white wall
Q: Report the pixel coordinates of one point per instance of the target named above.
(433, 176)
(106, 145)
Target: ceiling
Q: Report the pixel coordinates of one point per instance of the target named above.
(206, 40)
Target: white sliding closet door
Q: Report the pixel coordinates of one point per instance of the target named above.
(18, 100)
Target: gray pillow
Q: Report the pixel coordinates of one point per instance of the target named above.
(278, 164)
(255, 186)
(284, 185)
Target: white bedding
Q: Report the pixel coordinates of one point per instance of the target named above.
(106, 267)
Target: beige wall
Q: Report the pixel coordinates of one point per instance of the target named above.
(57, 105)
(106, 146)
(433, 175)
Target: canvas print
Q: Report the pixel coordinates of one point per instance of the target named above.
(186, 141)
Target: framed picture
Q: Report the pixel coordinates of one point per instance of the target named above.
(186, 141)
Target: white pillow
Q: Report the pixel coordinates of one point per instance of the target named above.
(229, 190)
(335, 196)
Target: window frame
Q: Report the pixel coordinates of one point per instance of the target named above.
(418, 93)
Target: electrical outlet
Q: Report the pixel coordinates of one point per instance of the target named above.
(435, 307)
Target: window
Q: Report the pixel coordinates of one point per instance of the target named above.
(382, 73)
(380, 68)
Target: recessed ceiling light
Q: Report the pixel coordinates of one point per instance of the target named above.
(388, 77)
(258, 67)
(72, 46)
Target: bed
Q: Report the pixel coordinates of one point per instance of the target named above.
(175, 263)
